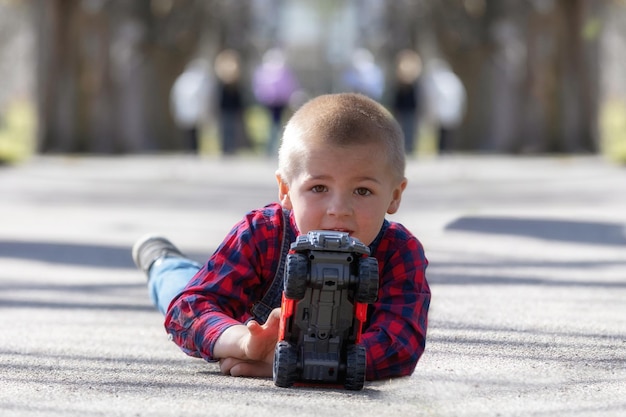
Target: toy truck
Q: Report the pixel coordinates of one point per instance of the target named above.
(329, 281)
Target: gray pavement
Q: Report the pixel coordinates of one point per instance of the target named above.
(528, 273)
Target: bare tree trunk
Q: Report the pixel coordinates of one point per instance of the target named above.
(56, 75)
(529, 70)
(579, 77)
(105, 73)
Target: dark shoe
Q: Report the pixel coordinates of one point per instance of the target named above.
(149, 248)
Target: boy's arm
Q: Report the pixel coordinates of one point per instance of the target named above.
(216, 336)
(217, 301)
(395, 335)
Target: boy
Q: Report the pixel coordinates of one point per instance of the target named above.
(340, 167)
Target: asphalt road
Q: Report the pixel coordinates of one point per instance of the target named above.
(528, 273)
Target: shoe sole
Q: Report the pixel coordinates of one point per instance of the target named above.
(139, 243)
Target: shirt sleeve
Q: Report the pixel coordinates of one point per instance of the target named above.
(395, 334)
(221, 293)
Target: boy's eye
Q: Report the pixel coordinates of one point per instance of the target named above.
(318, 188)
(362, 191)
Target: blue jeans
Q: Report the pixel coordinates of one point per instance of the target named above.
(168, 277)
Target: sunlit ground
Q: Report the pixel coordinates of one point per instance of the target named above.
(613, 130)
(17, 132)
(18, 129)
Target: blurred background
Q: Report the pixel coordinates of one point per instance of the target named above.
(221, 76)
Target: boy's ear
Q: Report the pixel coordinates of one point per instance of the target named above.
(283, 192)
(396, 196)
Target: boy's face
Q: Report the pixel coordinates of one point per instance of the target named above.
(348, 189)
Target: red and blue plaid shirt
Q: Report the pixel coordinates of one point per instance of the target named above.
(243, 267)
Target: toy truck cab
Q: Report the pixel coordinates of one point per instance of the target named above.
(329, 280)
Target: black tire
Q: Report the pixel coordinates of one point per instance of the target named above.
(285, 370)
(367, 288)
(355, 367)
(296, 276)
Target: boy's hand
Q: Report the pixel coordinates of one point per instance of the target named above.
(249, 350)
(261, 341)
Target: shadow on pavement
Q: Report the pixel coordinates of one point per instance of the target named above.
(594, 233)
(16, 294)
(442, 278)
(48, 305)
(97, 256)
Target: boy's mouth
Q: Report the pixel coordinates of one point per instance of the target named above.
(342, 230)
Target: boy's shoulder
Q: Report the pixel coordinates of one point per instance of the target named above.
(270, 217)
(395, 230)
(395, 236)
(269, 213)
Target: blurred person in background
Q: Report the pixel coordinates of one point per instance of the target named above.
(364, 75)
(406, 102)
(233, 134)
(446, 101)
(273, 84)
(189, 100)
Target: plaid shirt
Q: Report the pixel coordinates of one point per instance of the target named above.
(243, 267)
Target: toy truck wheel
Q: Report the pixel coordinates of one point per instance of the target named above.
(355, 367)
(296, 276)
(367, 288)
(285, 371)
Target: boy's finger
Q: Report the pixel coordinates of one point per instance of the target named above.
(253, 326)
(274, 315)
(227, 364)
(253, 369)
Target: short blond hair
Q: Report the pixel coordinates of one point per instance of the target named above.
(344, 119)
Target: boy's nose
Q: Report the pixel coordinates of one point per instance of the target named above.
(339, 206)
